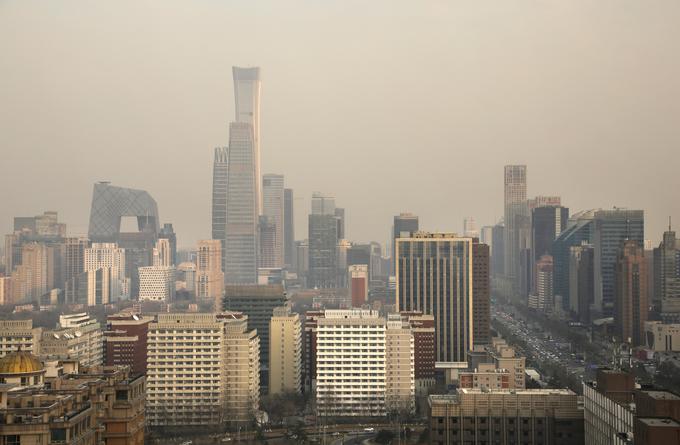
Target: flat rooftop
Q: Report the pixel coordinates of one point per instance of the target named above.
(659, 422)
(662, 395)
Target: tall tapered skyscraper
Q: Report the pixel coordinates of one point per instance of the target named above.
(247, 87)
(240, 247)
(219, 198)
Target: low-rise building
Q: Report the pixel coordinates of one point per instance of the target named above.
(662, 337)
(527, 416)
(78, 337)
(69, 404)
(19, 334)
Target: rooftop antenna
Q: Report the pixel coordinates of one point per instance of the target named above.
(669, 223)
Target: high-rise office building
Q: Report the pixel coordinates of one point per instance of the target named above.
(544, 284)
(168, 233)
(110, 205)
(273, 202)
(579, 230)
(434, 275)
(631, 305)
(285, 351)
(219, 198)
(247, 86)
(547, 223)
(162, 253)
(323, 240)
(340, 218)
(240, 266)
(516, 212)
(498, 252)
(611, 229)
(582, 281)
(404, 225)
(112, 260)
(481, 301)
(667, 277)
(209, 276)
(206, 378)
(358, 284)
(37, 273)
(288, 228)
(470, 227)
(74, 256)
(258, 303)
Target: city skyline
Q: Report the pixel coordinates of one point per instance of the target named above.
(555, 122)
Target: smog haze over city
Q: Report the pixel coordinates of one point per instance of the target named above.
(390, 106)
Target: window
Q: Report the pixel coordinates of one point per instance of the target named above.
(58, 435)
(13, 440)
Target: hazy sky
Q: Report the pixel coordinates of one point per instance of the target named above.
(391, 106)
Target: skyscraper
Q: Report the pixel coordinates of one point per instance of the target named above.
(112, 259)
(481, 285)
(285, 351)
(219, 198)
(323, 241)
(498, 250)
(405, 224)
(247, 87)
(357, 280)
(579, 230)
(470, 227)
(162, 253)
(547, 223)
(209, 276)
(667, 277)
(434, 275)
(340, 216)
(273, 202)
(516, 211)
(631, 306)
(288, 229)
(168, 233)
(240, 265)
(110, 204)
(612, 228)
(581, 281)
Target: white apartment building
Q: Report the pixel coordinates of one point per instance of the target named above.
(203, 369)
(77, 337)
(361, 359)
(15, 334)
(157, 283)
(109, 256)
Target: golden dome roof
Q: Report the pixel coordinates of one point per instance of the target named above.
(20, 362)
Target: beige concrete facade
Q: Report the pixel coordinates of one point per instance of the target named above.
(285, 352)
(15, 334)
(203, 369)
(209, 275)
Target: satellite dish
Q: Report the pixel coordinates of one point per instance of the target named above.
(78, 333)
(135, 317)
(56, 335)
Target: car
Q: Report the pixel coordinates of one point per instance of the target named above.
(369, 430)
